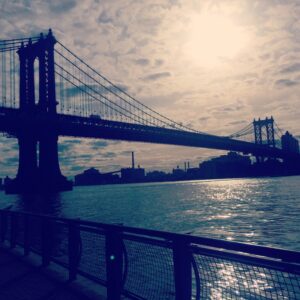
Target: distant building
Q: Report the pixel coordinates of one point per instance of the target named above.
(226, 166)
(193, 173)
(178, 173)
(289, 143)
(156, 176)
(133, 174)
(93, 177)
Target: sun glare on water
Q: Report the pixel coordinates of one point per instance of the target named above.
(213, 37)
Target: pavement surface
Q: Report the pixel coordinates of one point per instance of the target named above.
(21, 279)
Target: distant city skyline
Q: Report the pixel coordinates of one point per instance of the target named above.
(213, 65)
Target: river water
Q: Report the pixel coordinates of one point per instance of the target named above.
(262, 211)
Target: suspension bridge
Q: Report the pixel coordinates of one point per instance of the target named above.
(48, 91)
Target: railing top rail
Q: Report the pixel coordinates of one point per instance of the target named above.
(270, 252)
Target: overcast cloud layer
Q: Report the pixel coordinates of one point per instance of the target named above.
(141, 45)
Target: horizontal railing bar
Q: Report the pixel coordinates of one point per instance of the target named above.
(257, 261)
(277, 253)
(146, 240)
(91, 229)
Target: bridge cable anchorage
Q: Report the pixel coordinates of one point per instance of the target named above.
(158, 118)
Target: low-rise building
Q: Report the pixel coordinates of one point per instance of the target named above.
(230, 165)
(289, 143)
(133, 174)
(93, 177)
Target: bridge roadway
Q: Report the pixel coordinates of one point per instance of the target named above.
(13, 121)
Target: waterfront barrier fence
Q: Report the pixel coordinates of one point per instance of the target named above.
(147, 264)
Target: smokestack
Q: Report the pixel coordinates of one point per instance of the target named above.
(185, 166)
(132, 160)
(188, 164)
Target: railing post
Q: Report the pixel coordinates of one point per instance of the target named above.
(182, 269)
(13, 230)
(73, 249)
(3, 228)
(46, 241)
(26, 235)
(114, 267)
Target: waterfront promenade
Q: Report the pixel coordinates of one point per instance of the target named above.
(136, 263)
(24, 279)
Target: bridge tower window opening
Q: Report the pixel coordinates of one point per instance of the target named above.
(15, 78)
(62, 103)
(3, 69)
(36, 66)
(11, 78)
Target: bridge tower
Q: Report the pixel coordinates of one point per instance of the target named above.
(266, 125)
(38, 122)
(261, 128)
(28, 168)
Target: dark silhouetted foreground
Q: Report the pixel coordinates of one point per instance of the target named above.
(20, 280)
(148, 264)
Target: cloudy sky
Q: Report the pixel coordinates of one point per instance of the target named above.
(215, 65)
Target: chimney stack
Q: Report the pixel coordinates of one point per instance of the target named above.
(132, 160)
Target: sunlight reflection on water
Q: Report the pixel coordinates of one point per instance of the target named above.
(263, 211)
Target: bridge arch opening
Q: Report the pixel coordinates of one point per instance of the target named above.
(36, 67)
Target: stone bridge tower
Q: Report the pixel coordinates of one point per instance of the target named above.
(38, 169)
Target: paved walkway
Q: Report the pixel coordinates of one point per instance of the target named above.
(22, 280)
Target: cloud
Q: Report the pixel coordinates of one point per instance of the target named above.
(140, 45)
(142, 61)
(286, 83)
(159, 62)
(157, 76)
(240, 122)
(104, 18)
(99, 144)
(291, 68)
(109, 155)
(61, 6)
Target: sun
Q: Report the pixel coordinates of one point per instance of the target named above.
(212, 38)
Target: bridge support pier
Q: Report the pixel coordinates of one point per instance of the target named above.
(27, 175)
(43, 178)
(49, 170)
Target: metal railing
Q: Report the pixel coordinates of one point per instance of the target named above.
(148, 264)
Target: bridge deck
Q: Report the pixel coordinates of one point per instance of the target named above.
(86, 127)
(26, 280)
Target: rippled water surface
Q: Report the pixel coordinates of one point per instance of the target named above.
(263, 211)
